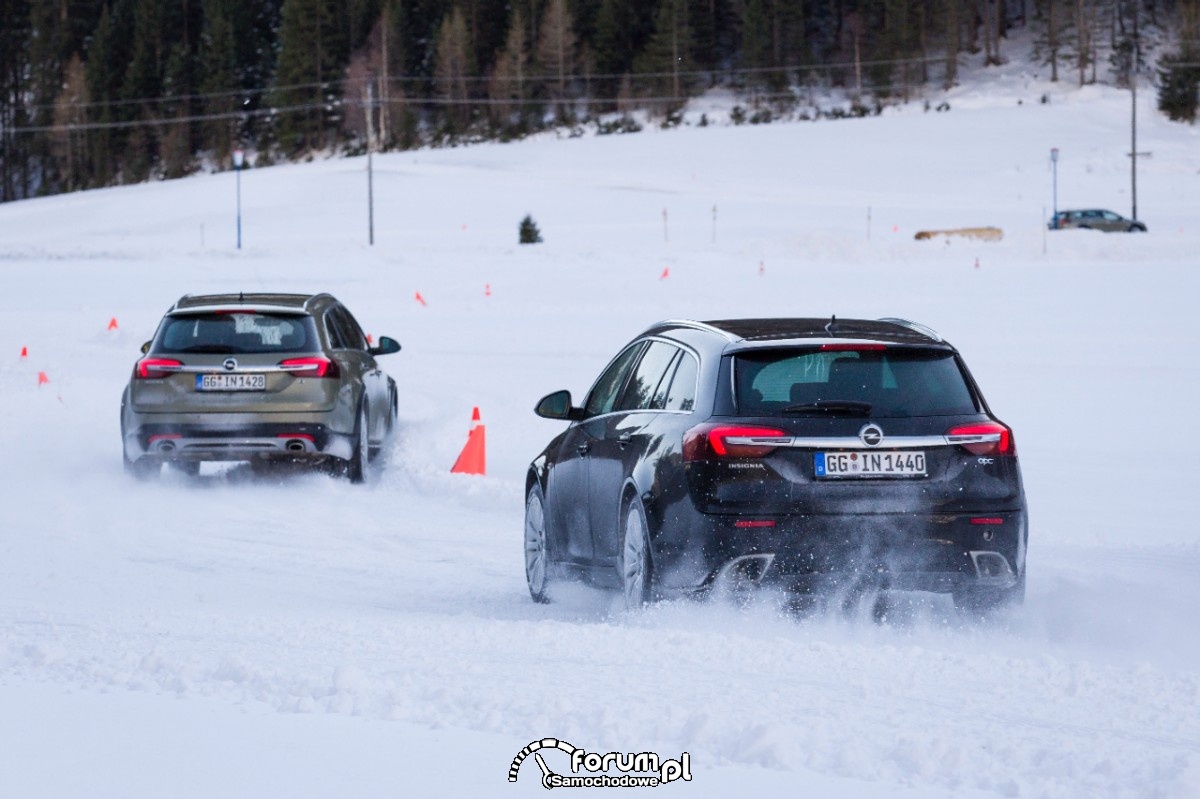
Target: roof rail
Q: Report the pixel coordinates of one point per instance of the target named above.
(928, 332)
(314, 297)
(725, 334)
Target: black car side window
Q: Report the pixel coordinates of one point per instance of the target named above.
(608, 387)
(643, 387)
(682, 396)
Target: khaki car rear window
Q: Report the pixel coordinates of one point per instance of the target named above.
(237, 333)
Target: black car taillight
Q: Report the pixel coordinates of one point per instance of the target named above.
(983, 438)
(311, 367)
(156, 368)
(709, 441)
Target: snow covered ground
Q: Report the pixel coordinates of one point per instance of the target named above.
(307, 637)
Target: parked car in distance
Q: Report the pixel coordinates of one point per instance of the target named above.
(813, 455)
(260, 378)
(1096, 219)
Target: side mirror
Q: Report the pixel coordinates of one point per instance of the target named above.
(146, 347)
(557, 406)
(386, 346)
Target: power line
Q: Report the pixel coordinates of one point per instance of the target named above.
(484, 102)
(400, 81)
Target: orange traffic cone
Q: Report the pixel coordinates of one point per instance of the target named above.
(24, 352)
(42, 379)
(112, 323)
(473, 458)
(666, 273)
(419, 298)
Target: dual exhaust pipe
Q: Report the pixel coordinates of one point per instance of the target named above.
(295, 446)
(747, 571)
(992, 568)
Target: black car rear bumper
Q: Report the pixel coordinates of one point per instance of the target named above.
(928, 552)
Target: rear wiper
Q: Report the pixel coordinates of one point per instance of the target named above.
(833, 407)
(211, 349)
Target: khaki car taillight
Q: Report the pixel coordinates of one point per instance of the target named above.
(156, 368)
(311, 367)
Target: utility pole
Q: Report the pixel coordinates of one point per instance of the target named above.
(370, 166)
(1133, 82)
(385, 85)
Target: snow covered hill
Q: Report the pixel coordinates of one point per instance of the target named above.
(307, 637)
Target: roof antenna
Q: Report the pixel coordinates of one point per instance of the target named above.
(831, 328)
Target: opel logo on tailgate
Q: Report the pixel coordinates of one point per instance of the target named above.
(231, 364)
(871, 435)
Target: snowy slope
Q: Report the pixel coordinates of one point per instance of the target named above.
(307, 637)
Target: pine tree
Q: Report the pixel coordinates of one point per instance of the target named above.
(758, 51)
(666, 64)
(305, 64)
(44, 51)
(1179, 70)
(487, 26)
(1125, 57)
(895, 38)
(218, 65)
(953, 36)
(175, 147)
(69, 147)
(508, 79)
(452, 66)
(556, 55)
(107, 59)
(1047, 43)
(527, 231)
(622, 29)
(14, 71)
(704, 16)
(1084, 38)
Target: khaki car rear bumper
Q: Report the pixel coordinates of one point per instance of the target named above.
(234, 437)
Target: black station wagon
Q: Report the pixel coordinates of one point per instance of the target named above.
(806, 454)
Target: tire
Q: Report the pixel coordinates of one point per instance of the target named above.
(537, 550)
(636, 568)
(378, 453)
(358, 466)
(986, 601)
(141, 469)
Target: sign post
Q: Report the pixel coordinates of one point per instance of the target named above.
(1054, 168)
(239, 158)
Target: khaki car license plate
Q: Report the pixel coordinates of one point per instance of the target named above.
(238, 382)
(902, 463)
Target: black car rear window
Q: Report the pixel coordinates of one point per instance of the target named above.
(236, 333)
(893, 381)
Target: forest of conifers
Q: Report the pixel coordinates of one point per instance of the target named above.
(98, 92)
